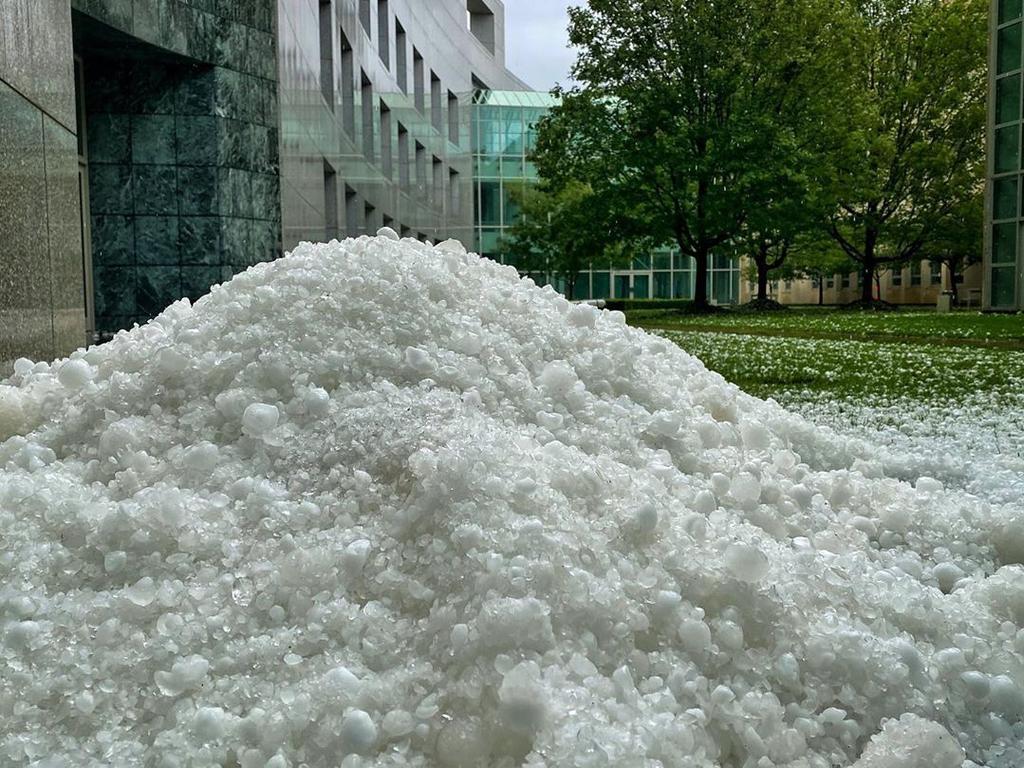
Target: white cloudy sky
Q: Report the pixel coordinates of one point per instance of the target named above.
(537, 43)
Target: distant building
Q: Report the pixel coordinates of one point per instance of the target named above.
(919, 283)
(1003, 273)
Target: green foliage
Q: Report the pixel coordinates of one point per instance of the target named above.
(957, 239)
(791, 369)
(695, 115)
(561, 231)
(915, 142)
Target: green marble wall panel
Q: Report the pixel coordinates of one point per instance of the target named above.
(184, 160)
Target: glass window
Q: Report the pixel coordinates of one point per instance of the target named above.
(897, 277)
(512, 167)
(1008, 99)
(915, 273)
(1004, 292)
(642, 262)
(1009, 10)
(622, 287)
(514, 132)
(935, 272)
(601, 283)
(511, 193)
(1007, 148)
(530, 171)
(641, 287)
(489, 203)
(663, 284)
(1004, 243)
(721, 261)
(1005, 198)
(489, 136)
(1008, 52)
(581, 290)
(682, 285)
(722, 285)
(489, 239)
(488, 168)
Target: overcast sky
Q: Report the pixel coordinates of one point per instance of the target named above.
(537, 43)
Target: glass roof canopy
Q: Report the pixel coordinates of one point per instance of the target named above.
(515, 99)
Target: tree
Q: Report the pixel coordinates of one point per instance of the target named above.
(680, 106)
(957, 240)
(561, 232)
(918, 130)
(815, 258)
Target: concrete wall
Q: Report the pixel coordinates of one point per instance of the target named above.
(42, 300)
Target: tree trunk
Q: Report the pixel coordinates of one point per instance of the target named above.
(762, 281)
(700, 278)
(952, 266)
(867, 269)
(570, 287)
(821, 291)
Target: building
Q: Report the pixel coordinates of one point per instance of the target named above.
(919, 283)
(504, 136)
(1003, 279)
(152, 148)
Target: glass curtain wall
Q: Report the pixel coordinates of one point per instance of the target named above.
(1006, 155)
(504, 134)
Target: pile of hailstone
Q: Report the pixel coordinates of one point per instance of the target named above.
(382, 503)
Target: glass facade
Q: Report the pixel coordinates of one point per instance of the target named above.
(1003, 256)
(504, 134)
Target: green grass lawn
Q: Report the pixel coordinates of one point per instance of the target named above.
(791, 369)
(970, 328)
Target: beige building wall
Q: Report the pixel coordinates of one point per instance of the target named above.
(907, 286)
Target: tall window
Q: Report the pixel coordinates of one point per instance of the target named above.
(403, 157)
(353, 219)
(384, 32)
(418, 71)
(401, 57)
(368, 149)
(385, 140)
(897, 277)
(364, 17)
(437, 192)
(421, 170)
(348, 86)
(330, 202)
(327, 52)
(480, 20)
(454, 193)
(435, 102)
(369, 219)
(935, 272)
(915, 273)
(453, 118)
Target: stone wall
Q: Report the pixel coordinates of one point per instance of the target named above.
(182, 127)
(42, 298)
